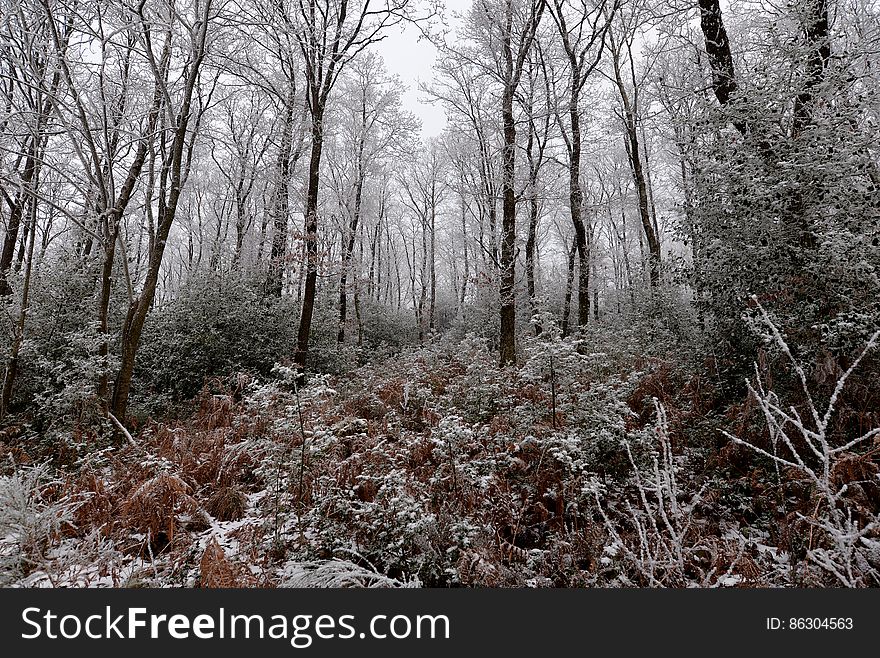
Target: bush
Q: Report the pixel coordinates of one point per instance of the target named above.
(213, 327)
(31, 520)
(839, 476)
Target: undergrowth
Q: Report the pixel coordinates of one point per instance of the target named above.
(437, 468)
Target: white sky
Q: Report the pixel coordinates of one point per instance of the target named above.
(413, 60)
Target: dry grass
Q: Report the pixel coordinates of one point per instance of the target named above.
(227, 504)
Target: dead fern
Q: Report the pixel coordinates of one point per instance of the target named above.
(156, 505)
(215, 570)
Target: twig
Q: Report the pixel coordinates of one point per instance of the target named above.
(302, 458)
(122, 429)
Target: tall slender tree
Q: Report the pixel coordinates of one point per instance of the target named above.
(582, 29)
(620, 39)
(183, 122)
(330, 34)
(505, 30)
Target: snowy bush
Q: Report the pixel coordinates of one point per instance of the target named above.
(847, 541)
(660, 544)
(30, 520)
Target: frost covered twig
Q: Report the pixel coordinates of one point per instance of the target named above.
(662, 523)
(849, 541)
(122, 429)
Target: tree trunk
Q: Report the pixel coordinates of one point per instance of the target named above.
(423, 281)
(241, 223)
(177, 169)
(348, 251)
(359, 320)
(281, 207)
(531, 243)
(569, 285)
(18, 338)
(575, 202)
(508, 233)
(22, 247)
(109, 238)
(432, 263)
(638, 173)
(595, 294)
(140, 306)
(15, 215)
(311, 242)
(816, 30)
(630, 108)
(375, 259)
(512, 73)
(466, 263)
(532, 239)
(720, 58)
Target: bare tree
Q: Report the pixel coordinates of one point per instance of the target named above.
(620, 40)
(30, 86)
(462, 86)
(424, 187)
(536, 104)
(96, 132)
(506, 30)
(330, 34)
(373, 128)
(11, 369)
(582, 28)
(275, 68)
(183, 121)
(30, 89)
(239, 145)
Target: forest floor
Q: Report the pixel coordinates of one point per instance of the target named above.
(434, 468)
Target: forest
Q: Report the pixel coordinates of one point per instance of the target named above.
(614, 324)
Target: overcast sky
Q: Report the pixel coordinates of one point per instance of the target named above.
(413, 60)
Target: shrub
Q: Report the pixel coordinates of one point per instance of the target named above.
(31, 520)
(847, 545)
(213, 327)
